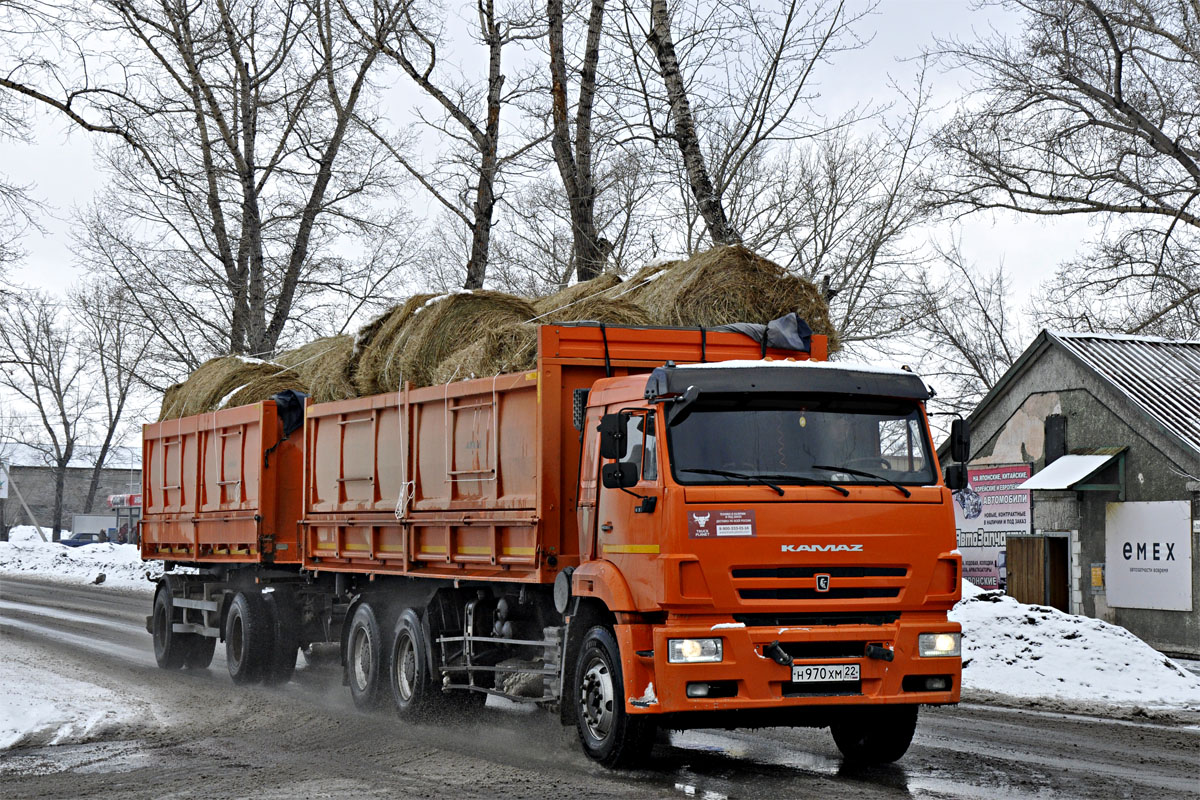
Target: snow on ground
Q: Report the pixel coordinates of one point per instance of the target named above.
(1037, 653)
(41, 706)
(25, 554)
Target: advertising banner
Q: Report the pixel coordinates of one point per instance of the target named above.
(986, 513)
(1148, 555)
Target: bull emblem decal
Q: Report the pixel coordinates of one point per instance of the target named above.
(701, 520)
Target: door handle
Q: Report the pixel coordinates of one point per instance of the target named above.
(606, 527)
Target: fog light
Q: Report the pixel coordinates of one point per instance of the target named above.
(693, 651)
(939, 644)
(697, 690)
(937, 684)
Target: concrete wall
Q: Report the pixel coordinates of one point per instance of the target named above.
(37, 487)
(1157, 468)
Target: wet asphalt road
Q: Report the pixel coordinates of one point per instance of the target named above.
(202, 737)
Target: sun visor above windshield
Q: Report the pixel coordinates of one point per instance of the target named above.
(777, 376)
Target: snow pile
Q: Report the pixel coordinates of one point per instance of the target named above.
(42, 707)
(1030, 652)
(121, 564)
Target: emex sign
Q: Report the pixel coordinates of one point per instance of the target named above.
(1149, 555)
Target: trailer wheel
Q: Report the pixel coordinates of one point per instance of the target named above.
(200, 651)
(170, 648)
(281, 664)
(608, 733)
(364, 658)
(876, 736)
(248, 638)
(414, 692)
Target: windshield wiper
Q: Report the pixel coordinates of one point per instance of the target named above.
(863, 474)
(765, 479)
(744, 475)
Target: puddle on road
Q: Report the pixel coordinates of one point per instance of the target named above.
(715, 765)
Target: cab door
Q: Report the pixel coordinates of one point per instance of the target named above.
(629, 519)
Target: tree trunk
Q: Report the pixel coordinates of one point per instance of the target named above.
(576, 169)
(707, 199)
(489, 164)
(60, 480)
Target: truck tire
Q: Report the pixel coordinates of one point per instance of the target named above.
(281, 665)
(170, 648)
(364, 658)
(875, 736)
(414, 692)
(200, 651)
(248, 637)
(608, 733)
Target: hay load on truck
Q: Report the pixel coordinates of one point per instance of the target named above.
(654, 528)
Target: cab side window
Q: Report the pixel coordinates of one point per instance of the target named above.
(643, 445)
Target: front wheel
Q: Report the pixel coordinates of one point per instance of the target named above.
(609, 734)
(875, 736)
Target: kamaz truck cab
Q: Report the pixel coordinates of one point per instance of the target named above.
(778, 546)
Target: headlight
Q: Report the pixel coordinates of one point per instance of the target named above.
(939, 644)
(693, 651)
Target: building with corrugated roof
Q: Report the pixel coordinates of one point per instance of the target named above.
(1111, 428)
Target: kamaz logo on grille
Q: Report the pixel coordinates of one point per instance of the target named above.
(821, 548)
(822, 582)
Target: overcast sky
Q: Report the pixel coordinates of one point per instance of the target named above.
(59, 164)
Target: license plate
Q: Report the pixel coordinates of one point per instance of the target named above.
(820, 673)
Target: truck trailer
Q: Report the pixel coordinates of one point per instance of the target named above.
(655, 528)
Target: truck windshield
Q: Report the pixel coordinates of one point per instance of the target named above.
(800, 440)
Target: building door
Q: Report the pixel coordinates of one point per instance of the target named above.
(1038, 569)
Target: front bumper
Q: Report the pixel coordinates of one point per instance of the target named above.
(752, 680)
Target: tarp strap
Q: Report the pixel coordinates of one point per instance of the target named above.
(607, 362)
(764, 343)
(703, 345)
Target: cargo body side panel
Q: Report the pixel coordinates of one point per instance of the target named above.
(221, 487)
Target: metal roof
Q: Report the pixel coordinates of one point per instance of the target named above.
(1160, 376)
(1067, 471)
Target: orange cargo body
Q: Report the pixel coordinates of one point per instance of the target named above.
(476, 479)
(222, 487)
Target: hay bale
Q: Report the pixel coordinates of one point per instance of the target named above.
(372, 345)
(432, 332)
(325, 366)
(731, 284)
(598, 309)
(214, 383)
(262, 387)
(637, 284)
(564, 298)
(172, 403)
(508, 348)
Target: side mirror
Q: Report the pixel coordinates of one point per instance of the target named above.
(956, 477)
(614, 443)
(960, 440)
(620, 475)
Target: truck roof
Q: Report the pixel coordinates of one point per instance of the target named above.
(785, 376)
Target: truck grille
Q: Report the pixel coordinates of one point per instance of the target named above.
(801, 582)
(819, 619)
(810, 650)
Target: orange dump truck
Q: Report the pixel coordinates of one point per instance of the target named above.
(656, 527)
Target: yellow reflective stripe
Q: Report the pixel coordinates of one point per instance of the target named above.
(351, 546)
(520, 551)
(631, 548)
(474, 550)
(432, 548)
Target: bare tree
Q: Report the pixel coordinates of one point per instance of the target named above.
(731, 73)
(971, 333)
(1091, 111)
(113, 341)
(465, 182)
(42, 364)
(240, 162)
